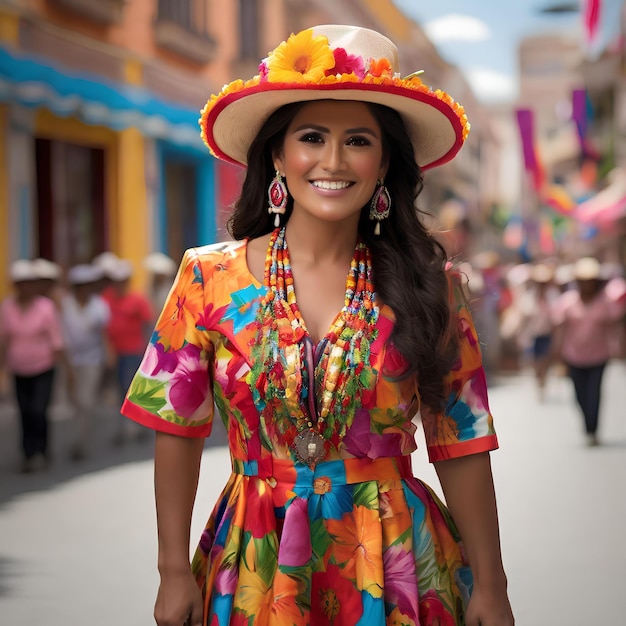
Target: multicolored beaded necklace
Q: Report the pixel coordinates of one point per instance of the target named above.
(315, 388)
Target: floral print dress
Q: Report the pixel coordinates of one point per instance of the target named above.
(355, 540)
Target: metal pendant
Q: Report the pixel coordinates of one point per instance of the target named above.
(309, 447)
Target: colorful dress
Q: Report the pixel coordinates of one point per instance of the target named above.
(355, 539)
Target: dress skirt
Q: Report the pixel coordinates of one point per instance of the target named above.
(352, 542)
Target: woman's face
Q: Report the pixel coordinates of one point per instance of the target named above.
(332, 157)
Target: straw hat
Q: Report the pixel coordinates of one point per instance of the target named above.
(541, 273)
(22, 270)
(340, 63)
(119, 272)
(159, 263)
(84, 274)
(46, 269)
(587, 268)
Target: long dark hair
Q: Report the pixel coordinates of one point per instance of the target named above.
(408, 262)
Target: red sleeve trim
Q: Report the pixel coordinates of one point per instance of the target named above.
(463, 448)
(145, 418)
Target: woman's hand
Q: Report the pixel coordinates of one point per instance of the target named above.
(489, 607)
(179, 601)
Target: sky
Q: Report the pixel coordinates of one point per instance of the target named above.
(481, 36)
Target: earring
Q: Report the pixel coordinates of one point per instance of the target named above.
(380, 205)
(278, 195)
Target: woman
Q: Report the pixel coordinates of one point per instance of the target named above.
(587, 325)
(85, 316)
(31, 344)
(536, 305)
(322, 521)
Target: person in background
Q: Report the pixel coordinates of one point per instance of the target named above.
(128, 330)
(85, 317)
(320, 333)
(31, 345)
(48, 279)
(536, 307)
(586, 324)
(162, 270)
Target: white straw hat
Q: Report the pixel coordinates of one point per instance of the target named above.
(122, 270)
(46, 269)
(587, 268)
(84, 274)
(159, 263)
(22, 270)
(336, 62)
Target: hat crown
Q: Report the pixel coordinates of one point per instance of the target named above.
(360, 42)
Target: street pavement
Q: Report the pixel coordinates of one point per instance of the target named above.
(78, 542)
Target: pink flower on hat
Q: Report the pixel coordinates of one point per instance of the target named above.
(347, 63)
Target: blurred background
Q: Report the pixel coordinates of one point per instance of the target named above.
(100, 149)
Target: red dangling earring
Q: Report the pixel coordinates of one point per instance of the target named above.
(380, 205)
(278, 195)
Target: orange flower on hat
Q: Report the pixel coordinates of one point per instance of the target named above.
(301, 59)
(380, 67)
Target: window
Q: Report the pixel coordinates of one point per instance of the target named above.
(182, 27)
(249, 29)
(70, 201)
(181, 208)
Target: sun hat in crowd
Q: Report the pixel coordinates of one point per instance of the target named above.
(46, 270)
(22, 270)
(84, 274)
(541, 273)
(120, 271)
(159, 263)
(587, 268)
(105, 261)
(340, 63)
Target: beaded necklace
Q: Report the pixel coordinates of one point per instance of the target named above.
(315, 388)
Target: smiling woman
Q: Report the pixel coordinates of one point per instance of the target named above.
(320, 335)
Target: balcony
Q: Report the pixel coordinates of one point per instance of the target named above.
(106, 12)
(181, 27)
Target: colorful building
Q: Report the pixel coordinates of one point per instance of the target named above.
(99, 138)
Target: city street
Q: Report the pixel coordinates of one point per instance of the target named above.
(78, 543)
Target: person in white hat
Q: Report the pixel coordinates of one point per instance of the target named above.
(85, 317)
(588, 322)
(162, 271)
(536, 324)
(31, 346)
(319, 334)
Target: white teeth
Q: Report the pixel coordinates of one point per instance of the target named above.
(331, 184)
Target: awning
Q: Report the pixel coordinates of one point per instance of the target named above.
(33, 82)
(608, 205)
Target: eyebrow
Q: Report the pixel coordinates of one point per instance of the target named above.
(348, 131)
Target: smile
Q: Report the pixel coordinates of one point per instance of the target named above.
(331, 184)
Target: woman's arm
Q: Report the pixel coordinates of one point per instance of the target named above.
(176, 469)
(467, 484)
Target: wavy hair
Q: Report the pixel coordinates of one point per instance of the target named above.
(408, 262)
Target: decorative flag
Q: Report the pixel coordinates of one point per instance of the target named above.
(557, 198)
(582, 114)
(591, 18)
(525, 121)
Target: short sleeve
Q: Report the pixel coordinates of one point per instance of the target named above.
(54, 327)
(466, 425)
(171, 391)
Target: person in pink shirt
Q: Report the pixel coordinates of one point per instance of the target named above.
(587, 321)
(31, 344)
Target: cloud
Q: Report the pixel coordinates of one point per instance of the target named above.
(491, 86)
(456, 27)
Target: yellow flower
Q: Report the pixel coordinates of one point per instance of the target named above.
(301, 59)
